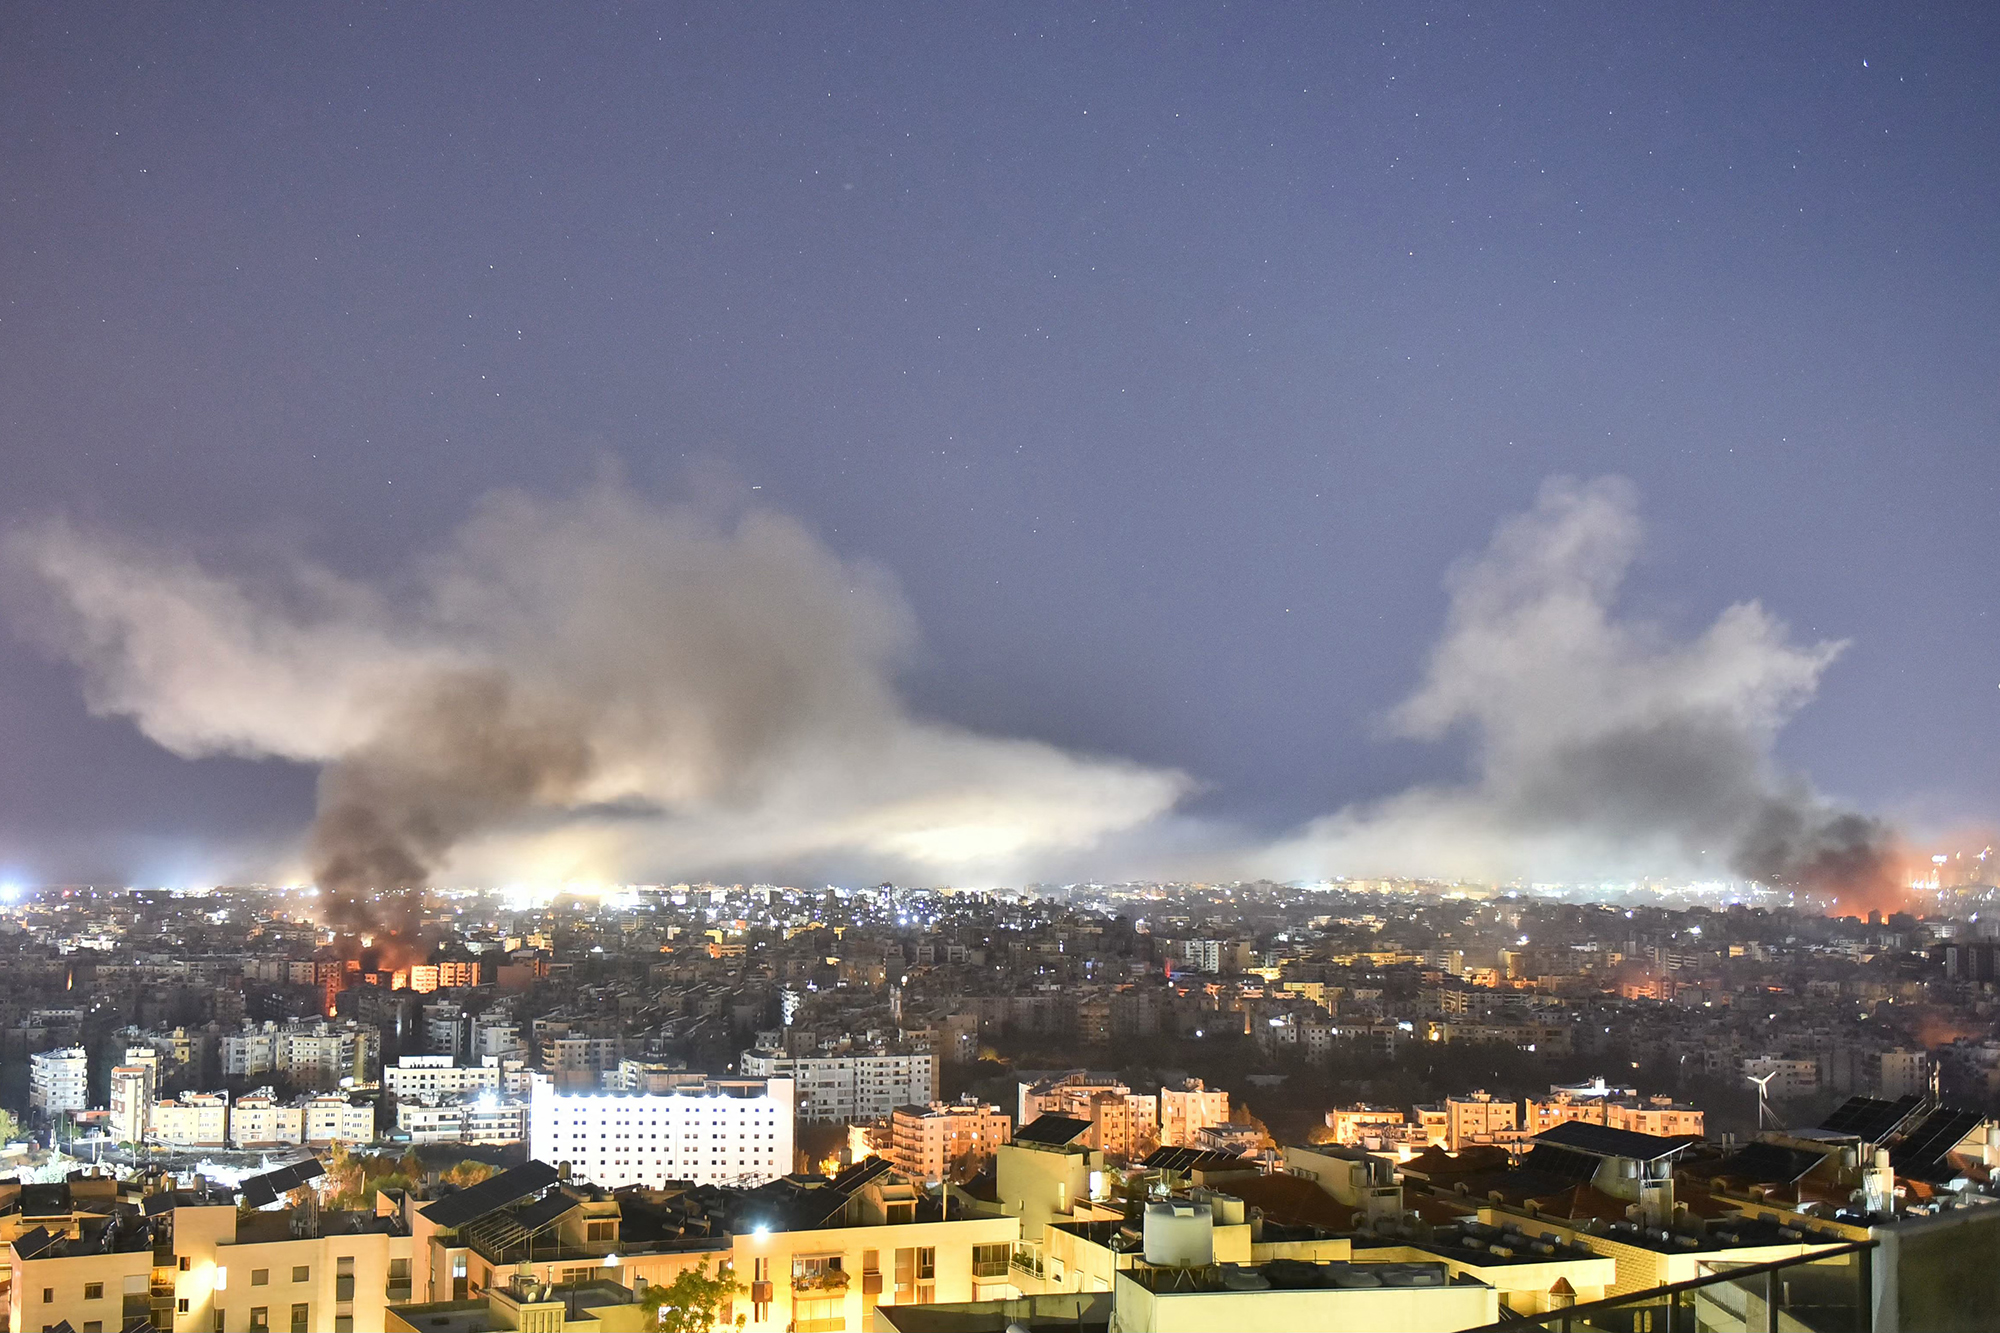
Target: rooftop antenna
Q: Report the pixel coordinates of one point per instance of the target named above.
(1763, 1096)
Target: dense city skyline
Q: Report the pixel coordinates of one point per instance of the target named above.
(1165, 362)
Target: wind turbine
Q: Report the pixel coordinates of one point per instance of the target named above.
(1763, 1095)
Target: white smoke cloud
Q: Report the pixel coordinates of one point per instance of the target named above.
(593, 687)
(1600, 746)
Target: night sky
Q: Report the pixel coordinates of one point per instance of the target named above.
(1166, 356)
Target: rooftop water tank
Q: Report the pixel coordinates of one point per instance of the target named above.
(1179, 1234)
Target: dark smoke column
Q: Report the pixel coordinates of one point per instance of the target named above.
(461, 755)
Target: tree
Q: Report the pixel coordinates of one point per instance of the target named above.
(468, 1173)
(693, 1301)
(10, 1128)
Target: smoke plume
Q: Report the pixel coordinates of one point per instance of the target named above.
(590, 688)
(1599, 745)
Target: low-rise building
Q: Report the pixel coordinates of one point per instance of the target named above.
(192, 1120)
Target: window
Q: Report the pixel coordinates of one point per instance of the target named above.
(186, 1262)
(48, 1295)
(599, 1231)
(218, 1319)
(93, 1291)
(990, 1260)
(302, 1273)
(93, 1326)
(260, 1319)
(299, 1313)
(181, 1306)
(260, 1277)
(926, 1263)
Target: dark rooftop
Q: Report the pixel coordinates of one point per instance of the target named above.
(1051, 1131)
(1604, 1141)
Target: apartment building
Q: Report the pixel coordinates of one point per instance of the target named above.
(818, 1256)
(1661, 1116)
(1787, 1077)
(312, 1053)
(259, 1119)
(335, 1118)
(852, 1086)
(131, 1103)
(58, 1081)
(483, 1118)
(1188, 1109)
(439, 1076)
(718, 1131)
(1459, 1122)
(227, 1269)
(1122, 1122)
(192, 1120)
(947, 1140)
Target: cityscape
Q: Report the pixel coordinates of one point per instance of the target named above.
(1044, 668)
(1041, 1094)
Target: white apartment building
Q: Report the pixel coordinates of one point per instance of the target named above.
(192, 1120)
(480, 1119)
(719, 1132)
(58, 1081)
(131, 1103)
(419, 1076)
(850, 1087)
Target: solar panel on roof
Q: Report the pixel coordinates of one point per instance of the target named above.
(1604, 1141)
(32, 1243)
(1871, 1119)
(455, 1210)
(1187, 1159)
(1560, 1163)
(1768, 1164)
(1054, 1131)
(1937, 1135)
(258, 1191)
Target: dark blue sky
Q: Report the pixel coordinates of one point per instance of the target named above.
(1167, 355)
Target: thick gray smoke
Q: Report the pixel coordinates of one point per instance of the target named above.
(1601, 745)
(596, 688)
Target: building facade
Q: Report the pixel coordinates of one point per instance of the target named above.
(850, 1087)
(719, 1132)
